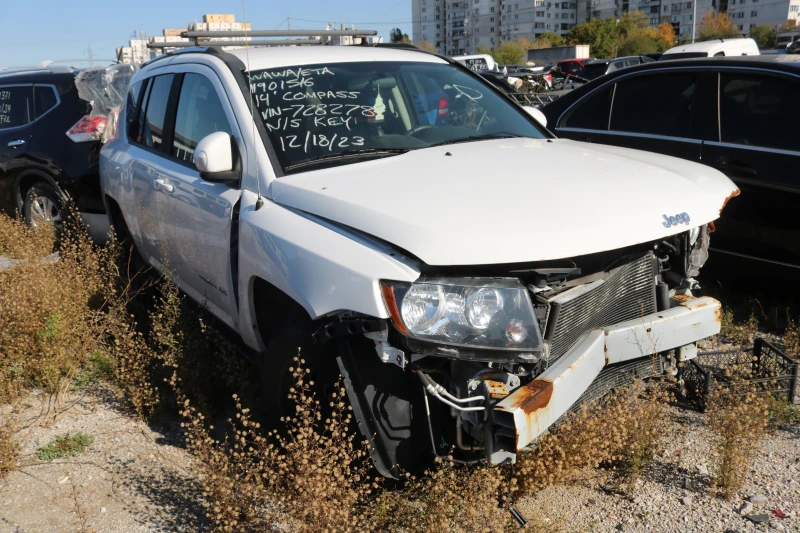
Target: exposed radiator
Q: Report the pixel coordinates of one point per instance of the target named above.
(628, 292)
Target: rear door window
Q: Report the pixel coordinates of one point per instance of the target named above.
(200, 113)
(759, 110)
(155, 115)
(16, 106)
(44, 98)
(132, 110)
(591, 113)
(656, 104)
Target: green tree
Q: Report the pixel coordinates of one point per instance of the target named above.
(764, 35)
(396, 35)
(508, 53)
(637, 44)
(600, 35)
(548, 40)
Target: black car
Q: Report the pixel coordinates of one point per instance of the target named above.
(48, 146)
(737, 114)
(600, 67)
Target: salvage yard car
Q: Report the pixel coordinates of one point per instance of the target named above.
(48, 146)
(467, 291)
(736, 114)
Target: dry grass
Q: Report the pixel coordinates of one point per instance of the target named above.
(9, 447)
(738, 415)
(619, 436)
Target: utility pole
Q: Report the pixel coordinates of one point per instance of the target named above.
(91, 57)
(694, 18)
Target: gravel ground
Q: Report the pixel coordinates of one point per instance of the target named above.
(133, 478)
(137, 478)
(674, 493)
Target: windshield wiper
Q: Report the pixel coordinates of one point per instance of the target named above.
(484, 137)
(357, 153)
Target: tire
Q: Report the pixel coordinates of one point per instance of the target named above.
(277, 379)
(43, 202)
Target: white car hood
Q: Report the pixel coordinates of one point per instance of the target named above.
(511, 200)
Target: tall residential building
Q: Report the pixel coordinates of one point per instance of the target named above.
(459, 26)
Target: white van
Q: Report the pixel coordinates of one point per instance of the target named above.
(477, 62)
(717, 47)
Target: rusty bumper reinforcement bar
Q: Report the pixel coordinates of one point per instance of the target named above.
(534, 407)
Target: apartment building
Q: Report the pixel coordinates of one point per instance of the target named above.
(747, 14)
(460, 26)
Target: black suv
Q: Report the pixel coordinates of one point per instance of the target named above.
(48, 146)
(737, 114)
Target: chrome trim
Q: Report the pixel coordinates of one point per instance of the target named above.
(631, 134)
(746, 256)
(645, 71)
(753, 148)
(32, 85)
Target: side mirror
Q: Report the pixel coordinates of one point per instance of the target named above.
(538, 115)
(213, 157)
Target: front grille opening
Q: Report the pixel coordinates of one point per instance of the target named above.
(626, 293)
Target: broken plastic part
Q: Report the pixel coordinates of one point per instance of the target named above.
(105, 88)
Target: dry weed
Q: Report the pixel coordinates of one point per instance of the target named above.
(738, 416)
(791, 336)
(739, 332)
(619, 435)
(9, 447)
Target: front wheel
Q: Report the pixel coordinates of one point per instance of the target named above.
(43, 203)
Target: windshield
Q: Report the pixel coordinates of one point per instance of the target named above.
(683, 55)
(325, 115)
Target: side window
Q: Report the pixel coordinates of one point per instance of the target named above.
(759, 110)
(16, 106)
(591, 113)
(671, 117)
(200, 113)
(155, 114)
(131, 110)
(44, 99)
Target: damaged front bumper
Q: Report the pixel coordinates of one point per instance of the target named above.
(531, 409)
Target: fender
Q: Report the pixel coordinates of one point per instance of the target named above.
(323, 267)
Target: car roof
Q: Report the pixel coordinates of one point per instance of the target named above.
(704, 46)
(786, 62)
(291, 56)
(37, 74)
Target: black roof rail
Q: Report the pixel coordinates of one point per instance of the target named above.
(404, 46)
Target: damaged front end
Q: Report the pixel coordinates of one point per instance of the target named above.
(498, 355)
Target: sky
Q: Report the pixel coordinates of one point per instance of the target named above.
(37, 30)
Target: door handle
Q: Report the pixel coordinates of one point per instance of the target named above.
(14, 144)
(162, 185)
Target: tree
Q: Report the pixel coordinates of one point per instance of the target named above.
(508, 53)
(396, 35)
(547, 40)
(764, 35)
(665, 34)
(715, 26)
(637, 44)
(791, 24)
(600, 35)
(425, 45)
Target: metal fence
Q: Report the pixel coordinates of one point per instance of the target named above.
(766, 368)
(533, 99)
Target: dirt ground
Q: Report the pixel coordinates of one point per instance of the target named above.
(136, 477)
(133, 477)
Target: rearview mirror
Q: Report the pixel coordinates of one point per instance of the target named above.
(213, 157)
(538, 115)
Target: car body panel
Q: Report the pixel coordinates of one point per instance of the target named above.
(606, 199)
(760, 224)
(323, 267)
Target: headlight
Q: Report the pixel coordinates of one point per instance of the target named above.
(487, 313)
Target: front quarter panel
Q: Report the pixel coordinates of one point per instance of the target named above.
(323, 268)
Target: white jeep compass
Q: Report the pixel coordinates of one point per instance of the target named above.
(416, 231)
